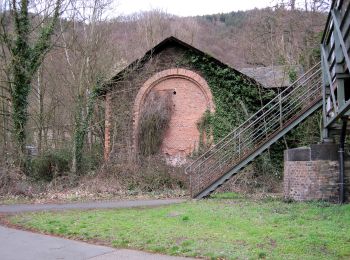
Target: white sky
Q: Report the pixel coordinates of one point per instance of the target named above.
(188, 7)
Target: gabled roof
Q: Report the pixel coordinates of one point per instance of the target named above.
(170, 42)
(273, 76)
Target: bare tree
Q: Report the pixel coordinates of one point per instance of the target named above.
(89, 61)
(306, 5)
(283, 37)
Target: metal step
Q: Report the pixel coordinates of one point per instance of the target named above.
(206, 192)
(255, 135)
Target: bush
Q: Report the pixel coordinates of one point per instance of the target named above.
(13, 182)
(92, 159)
(50, 164)
(156, 177)
(151, 175)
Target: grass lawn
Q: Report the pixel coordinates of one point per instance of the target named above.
(228, 226)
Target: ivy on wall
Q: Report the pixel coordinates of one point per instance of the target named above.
(235, 96)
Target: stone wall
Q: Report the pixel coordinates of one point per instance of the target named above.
(312, 173)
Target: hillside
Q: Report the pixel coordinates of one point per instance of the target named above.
(241, 39)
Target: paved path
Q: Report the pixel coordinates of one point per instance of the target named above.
(23, 245)
(18, 208)
(17, 244)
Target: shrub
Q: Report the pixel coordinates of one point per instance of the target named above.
(154, 177)
(49, 164)
(151, 175)
(92, 158)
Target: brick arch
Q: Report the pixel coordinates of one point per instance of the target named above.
(175, 76)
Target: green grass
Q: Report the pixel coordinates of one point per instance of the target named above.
(227, 195)
(217, 228)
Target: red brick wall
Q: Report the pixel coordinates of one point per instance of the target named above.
(191, 97)
(108, 111)
(313, 180)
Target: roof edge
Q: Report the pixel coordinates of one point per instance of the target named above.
(161, 46)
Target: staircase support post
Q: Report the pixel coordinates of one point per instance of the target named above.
(341, 160)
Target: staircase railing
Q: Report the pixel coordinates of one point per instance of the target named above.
(256, 131)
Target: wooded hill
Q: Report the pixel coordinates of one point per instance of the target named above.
(241, 39)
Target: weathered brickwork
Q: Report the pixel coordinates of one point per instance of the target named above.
(128, 95)
(108, 113)
(191, 97)
(311, 180)
(314, 180)
(347, 181)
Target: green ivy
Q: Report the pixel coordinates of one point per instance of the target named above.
(292, 74)
(26, 57)
(235, 96)
(204, 126)
(82, 123)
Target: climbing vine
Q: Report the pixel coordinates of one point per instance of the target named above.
(26, 55)
(82, 121)
(204, 126)
(235, 96)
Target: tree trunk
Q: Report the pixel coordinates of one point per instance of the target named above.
(41, 111)
(81, 130)
(292, 5)
(19, 114)
(4, 127)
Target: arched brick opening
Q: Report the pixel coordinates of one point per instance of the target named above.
(191, 97)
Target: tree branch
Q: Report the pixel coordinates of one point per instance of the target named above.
(43, 43)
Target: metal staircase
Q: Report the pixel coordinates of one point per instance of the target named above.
(328, 87)
(335, 55)
(256, 134)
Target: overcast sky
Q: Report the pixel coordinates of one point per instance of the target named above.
(188, 7)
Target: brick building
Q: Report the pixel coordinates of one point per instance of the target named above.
(160, 71)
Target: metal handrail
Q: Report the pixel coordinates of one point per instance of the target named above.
(263, 108)
(244, 139)
(256, 137)
(224, 160)
(287, 90)
(251, 123)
